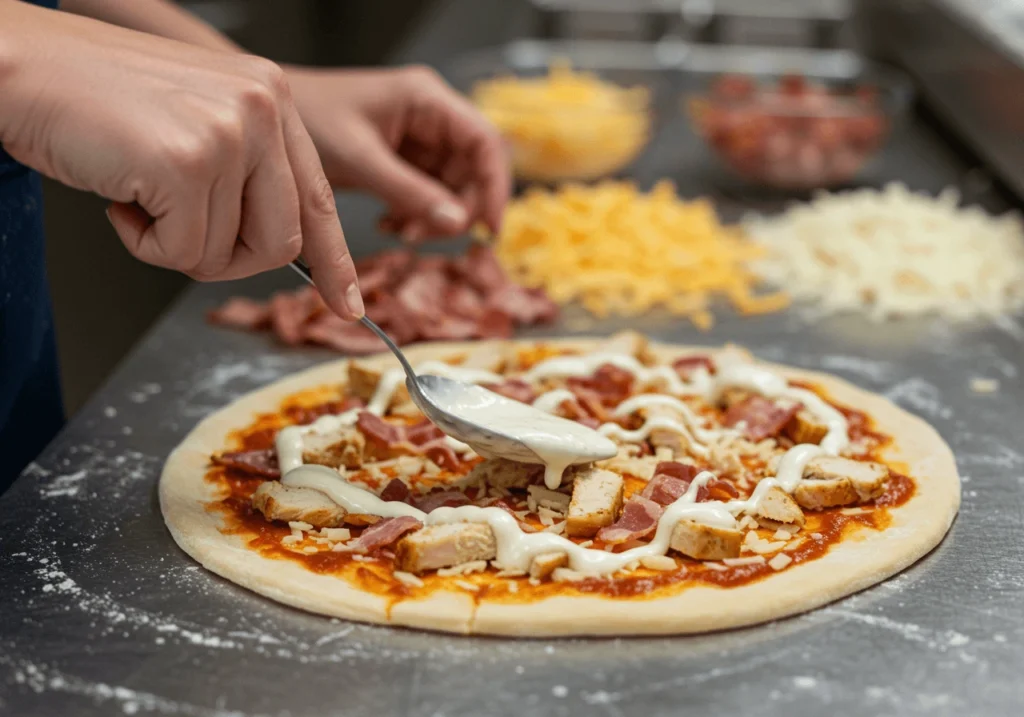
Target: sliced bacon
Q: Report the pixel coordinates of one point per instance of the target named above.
(671, 480)
(463, 301)
(351, 402)
(383, 533)
(441, 498)
(524, 305)
(515, 389)
(762, 418)
(449, 328)
(412, 298)
(421, 433)
(441, 453)
(610, 384)
(687, 365)
(587, 408)
(343, 336)
(422, 292)
(261, 463)
(241, 313)
(665, 490)
(494, 324)
(378, 431)
(639, 519)
(396, 490)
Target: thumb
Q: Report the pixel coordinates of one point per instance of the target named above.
(409, 192)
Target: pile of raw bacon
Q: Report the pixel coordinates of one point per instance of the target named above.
(413, 298)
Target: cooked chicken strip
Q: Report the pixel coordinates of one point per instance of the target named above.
(335, 449)
(596, 501)
(546, 563)
(705, 542)
(777, 508)
(441, 546)
(280, 502)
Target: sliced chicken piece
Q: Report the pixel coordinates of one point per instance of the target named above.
(281, 502)
(805, 428)
(732, 396)
(442, 546)
(336, 449)
(504, 473)
(777, 508)
(491, 356)
(550, 499)
(406, 408)
(626, 462)
(363, 380)
(596, 501)
(660, 438)
(831, 480)
(546, 563)
(629, 343)
(705, 542)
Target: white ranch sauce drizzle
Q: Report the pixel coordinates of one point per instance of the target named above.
(516, 549)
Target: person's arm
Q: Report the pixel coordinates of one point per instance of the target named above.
(403, 135)
(156, 17)
(202, 153)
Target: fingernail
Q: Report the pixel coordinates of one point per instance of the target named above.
(354, 301)
(449, 214)
(110, 217)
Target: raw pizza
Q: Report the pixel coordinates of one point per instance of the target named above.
(741, 492)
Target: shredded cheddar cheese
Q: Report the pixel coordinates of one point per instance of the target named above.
(566, 125)
(619, 251)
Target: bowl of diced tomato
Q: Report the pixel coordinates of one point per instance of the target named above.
(796, 132)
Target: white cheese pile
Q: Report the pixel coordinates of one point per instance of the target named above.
(894, 252)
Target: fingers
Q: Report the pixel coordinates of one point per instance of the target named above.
(271, 223)
(408, 191)
(474, 140)
(323, 242)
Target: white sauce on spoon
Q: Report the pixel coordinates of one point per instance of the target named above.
(555, 442)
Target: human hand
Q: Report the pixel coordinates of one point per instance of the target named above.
(202, 152)
(407, 137)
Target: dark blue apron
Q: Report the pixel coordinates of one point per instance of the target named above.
(31, 411)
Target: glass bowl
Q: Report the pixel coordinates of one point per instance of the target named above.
(798, 131)
(564, 118)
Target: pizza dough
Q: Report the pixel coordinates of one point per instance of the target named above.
(859, 561)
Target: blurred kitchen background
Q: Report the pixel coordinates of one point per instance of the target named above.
(965, 56)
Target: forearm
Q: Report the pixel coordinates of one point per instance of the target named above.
(156, 17)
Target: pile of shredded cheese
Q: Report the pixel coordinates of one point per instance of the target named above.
(566, 125)
(894, 252)
(617, 250)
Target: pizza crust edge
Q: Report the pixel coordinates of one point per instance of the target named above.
(869, 558)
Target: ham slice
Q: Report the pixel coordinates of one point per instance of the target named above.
(761, 417)
(441, 498)
(412, 298)
(687, 365)
(515, 389)
(671, 480)
(390, 440)
(261, 463)
(383, 533)
(241, 313)
(610, 384)
(638, 519)
(395, 490)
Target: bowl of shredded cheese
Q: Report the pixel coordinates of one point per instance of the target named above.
(617, 250)
(563, 122)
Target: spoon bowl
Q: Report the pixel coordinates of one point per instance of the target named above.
(495, 426)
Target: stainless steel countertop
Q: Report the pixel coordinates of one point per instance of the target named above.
(102, 614)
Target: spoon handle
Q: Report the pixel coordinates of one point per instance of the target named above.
(302, 270)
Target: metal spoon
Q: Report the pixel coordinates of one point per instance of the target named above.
(432, 394)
